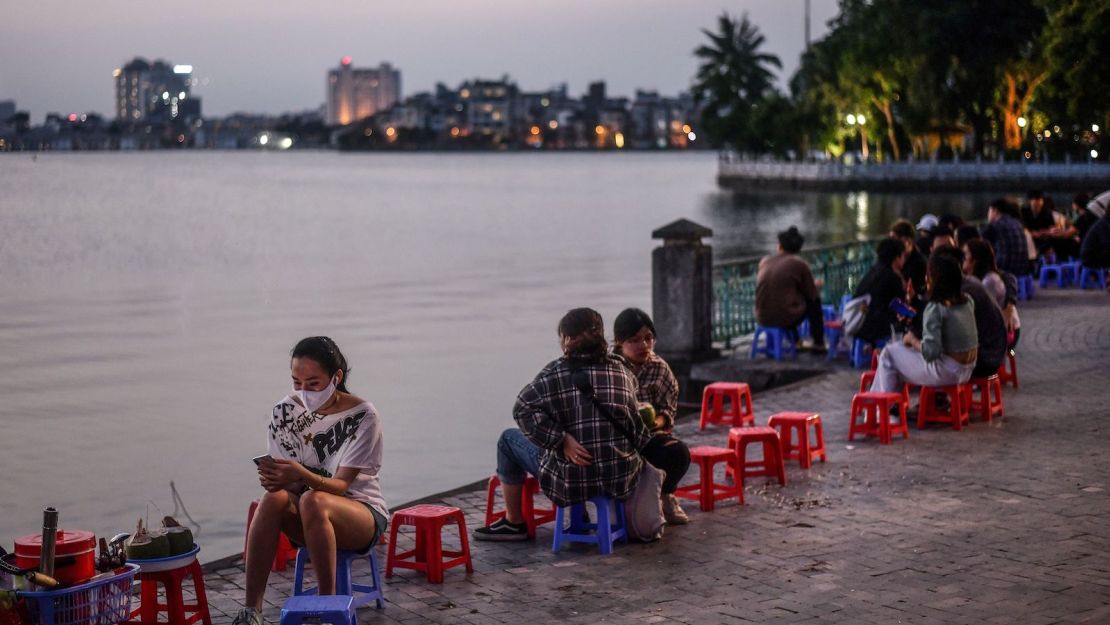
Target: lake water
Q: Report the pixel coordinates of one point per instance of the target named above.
(150, 301)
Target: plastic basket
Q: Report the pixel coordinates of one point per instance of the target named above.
(103, 602)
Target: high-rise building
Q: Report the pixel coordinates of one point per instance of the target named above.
(7, 109)
(154, 92)
(355, 94)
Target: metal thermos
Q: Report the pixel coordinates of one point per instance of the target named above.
(49, 540)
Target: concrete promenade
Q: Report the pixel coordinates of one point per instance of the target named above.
(1001, 523)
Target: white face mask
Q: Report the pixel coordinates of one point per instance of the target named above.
(313, 400)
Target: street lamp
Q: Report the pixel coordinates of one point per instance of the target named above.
(858, 119)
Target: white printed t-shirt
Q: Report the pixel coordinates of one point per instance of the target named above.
(323, 443)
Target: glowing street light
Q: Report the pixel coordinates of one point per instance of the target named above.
(1094, 153)
(1021, 122)
(851, 119)
(1094, 127)
(860, 119)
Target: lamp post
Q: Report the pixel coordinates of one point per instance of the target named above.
(859, 120)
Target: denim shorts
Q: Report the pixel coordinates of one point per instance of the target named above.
(380, 525)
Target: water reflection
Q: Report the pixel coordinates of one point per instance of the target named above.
(747, 223)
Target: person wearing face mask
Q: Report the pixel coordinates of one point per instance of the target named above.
(321, 476)
(634, 338)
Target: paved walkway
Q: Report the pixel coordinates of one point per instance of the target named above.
(1001, 523)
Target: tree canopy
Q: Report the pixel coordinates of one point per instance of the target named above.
(898, 78)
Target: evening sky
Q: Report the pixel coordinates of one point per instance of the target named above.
(272, 56)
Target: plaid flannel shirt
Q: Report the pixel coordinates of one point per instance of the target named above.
(552, 406)
(658, 387)
(1011, 251)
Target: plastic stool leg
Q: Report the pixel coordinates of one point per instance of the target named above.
(391, 556)
(557, 542)
(464, 541)
(604, 528)
(342, 574)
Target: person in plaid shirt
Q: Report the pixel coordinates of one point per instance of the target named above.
(1007, 236)
(563, 439)
(634, 335)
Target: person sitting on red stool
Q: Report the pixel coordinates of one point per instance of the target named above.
(947, 351)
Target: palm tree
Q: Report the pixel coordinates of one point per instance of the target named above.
(733, 78)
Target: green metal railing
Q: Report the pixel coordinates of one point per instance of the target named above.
(841, 267)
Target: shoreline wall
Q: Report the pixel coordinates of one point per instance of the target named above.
(916, 176)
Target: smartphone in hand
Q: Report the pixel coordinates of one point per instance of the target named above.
(264, 459)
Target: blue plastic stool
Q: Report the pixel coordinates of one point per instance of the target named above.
(1047, 271)
(344, 585)
(859, 351)
(844, 299)
(1069, 271)
(603, 533)
(334, 609)
(1087, 274)
(828, 312)
(1025, 288)
(834, 330)
(773, 339)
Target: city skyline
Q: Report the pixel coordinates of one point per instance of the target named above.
(269, 59)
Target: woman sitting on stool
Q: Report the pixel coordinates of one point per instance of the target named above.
(321, 476)
(563, 440)
(634, 335)
(946, 353)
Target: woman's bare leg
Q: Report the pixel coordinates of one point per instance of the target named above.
(262, 540)
(332, 522)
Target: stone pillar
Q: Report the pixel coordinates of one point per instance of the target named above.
(682, 292)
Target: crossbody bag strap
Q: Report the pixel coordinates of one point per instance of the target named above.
(581, 381)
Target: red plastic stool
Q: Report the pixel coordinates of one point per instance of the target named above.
(707, 491)
(175, 607)
(875, 359)
(867, 378)
(285, 549)
(805, 451)
(533, 516)
(429, 555)
(1009, 377)
(770, 465)
(713, 398)
(990, 396)
(874, 407)
(957, 413)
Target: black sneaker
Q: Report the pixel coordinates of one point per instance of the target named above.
(502, 531)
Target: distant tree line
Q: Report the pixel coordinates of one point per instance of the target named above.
(895, 79)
